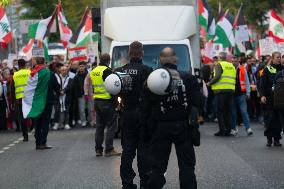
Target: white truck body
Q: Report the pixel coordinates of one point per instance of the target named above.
(156, 27)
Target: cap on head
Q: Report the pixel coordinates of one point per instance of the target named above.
(136, 50)
(168, 56)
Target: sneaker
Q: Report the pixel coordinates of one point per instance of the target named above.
(84, 124)
(112, 153)
(219, 134)
(67, 127)
(215, 120)
(249, 132)
(79, 122)
(55, 127)
(234, 132)
(73, 122)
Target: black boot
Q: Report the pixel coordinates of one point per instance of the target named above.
(26, 138)
(269, 142)
(129, 186)
(277, 143)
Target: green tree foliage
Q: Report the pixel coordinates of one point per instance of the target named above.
(4, 3)
(74, 9)
(255, 10)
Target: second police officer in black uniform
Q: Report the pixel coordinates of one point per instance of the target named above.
(167, 101)
(131, 97)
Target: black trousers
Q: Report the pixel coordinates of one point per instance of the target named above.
(273, 122)
(3, 119)
(131, 143)
(22, 122)
(224, 111)
(41, 125)
(164, 135)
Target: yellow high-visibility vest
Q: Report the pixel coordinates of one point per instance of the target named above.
(96, 76)
(20, 80)
(228, 78)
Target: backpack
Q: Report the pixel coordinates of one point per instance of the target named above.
(278, 100)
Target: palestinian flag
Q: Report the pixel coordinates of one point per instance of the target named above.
(28, 49)
(276, 27)
(239, 48)
(83, 36)
(45, 48)
(65, 32)
(206, 18)
(35, 94)
(5, 29)
(240, 27)
(224, 31)
(39, 30)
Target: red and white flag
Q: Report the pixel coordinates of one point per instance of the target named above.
(65, 31)
(28, 49)
(276, 27)
(5, 29)
(208, 52)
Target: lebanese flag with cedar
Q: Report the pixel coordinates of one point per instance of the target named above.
(276, 27)
(5, 29)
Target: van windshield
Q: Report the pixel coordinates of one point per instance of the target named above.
(151, 56)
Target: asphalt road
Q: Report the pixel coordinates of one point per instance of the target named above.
(222, 163)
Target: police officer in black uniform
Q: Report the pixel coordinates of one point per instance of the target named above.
(170, 115)
(272, 116)
(131, 98)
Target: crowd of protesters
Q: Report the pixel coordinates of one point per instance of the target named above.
(72, 108)
(254, 69)
(249, 100)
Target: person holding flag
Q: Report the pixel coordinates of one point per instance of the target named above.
(38, 100)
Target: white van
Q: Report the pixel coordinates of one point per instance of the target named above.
(156, 27)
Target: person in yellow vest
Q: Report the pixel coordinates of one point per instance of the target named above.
(223, 86)
(20, 79)
(104, 107)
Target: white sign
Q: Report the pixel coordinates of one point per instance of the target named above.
(11, 58)
(78, 54)
(242, 34)
(38, 52)
(268, 46)
(93, 50)
(24, 25)
(218, 48)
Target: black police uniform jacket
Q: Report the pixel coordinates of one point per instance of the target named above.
(173, 104)
(139, 73)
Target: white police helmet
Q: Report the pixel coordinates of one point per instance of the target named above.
(159, 81)
(113, 84)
